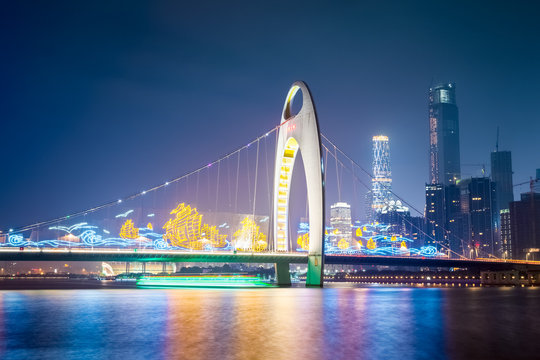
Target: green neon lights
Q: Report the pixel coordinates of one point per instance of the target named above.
(240, 281)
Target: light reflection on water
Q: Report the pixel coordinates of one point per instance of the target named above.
(297, 323)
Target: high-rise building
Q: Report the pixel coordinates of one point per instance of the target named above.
(381, 187)
(456, 223)
(340, 220)
(479, 204)
(506, 234)
(525, 227)
(444, 155)
(501, 174)
(435, 216)
(415, 229)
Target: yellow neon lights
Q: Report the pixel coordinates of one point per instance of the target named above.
(149, 226)
(371, 244)
(343, 244)
(359, 232)
(187, 230)
(287, 162)
(403, 245)
(128, 230)
(303, 241)
(249, 237)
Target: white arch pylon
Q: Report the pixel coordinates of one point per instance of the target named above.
(300, 132)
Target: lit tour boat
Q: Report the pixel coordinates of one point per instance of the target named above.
(204, 280)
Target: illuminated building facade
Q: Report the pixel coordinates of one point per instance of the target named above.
(381, 186)
(501, 174)
(435, 216)
(456, 221)
(478, 201)
(506, 234)
(340, 220)
(444, 154)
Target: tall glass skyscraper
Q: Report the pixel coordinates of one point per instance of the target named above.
(501, 174)
(444, 156)
(381, 186)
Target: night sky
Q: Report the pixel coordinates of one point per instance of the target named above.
(103, 99)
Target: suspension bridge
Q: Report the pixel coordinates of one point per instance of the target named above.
(245, 207)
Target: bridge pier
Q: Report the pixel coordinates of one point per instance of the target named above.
(315, 275)
(283, 277)
(144, 267)
(127, 267)
(164, 267)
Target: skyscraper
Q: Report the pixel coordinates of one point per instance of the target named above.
(479, 203)
(506, 234)
(501, 174)
(444, 156)
(436, 217)
(340, 220)
(381, 187)
(525, 227)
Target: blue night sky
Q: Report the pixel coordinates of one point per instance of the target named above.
(103, 99)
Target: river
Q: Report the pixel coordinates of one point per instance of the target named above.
(336, 322)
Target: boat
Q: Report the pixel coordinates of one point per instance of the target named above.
(204, 280)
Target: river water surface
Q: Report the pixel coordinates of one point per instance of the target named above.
(280, 323)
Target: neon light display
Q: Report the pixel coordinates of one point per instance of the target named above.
(83, 235)
(16, 239)
(187, 230)
(343, 244)
(70, 229)
(370, 239)
(128, 230)
(303, 241)
(124, 214)
(249, 237)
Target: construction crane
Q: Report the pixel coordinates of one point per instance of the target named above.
(531, 183)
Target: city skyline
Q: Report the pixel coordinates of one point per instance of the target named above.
(270, 180)
(88, 131)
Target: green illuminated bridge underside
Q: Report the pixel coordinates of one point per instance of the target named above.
(275, 258)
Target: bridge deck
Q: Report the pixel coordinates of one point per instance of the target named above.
(148, 256)
(15, 254)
